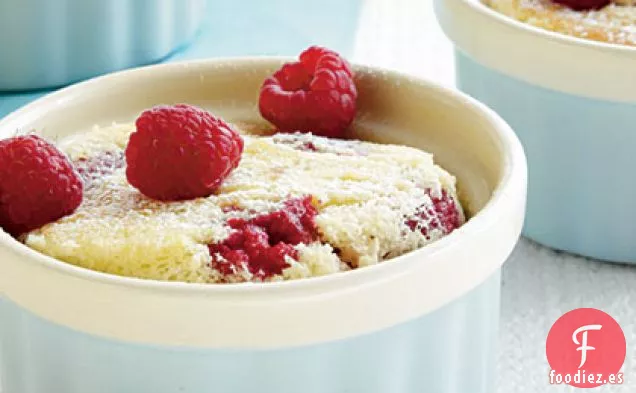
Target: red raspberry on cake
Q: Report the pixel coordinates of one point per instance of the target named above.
(181, 152)
(38, 184)
(316, 94)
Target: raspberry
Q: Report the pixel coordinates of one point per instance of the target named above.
(262, 244)
(443, 215)
(584, 5)
(38, 184)
(316, 94)
(181, 152)
(293, 224)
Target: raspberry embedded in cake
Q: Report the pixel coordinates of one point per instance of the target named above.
(287, 211)
(442, 214)
(93, 168)
(262, 245)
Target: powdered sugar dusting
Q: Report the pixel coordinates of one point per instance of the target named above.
(364, 194)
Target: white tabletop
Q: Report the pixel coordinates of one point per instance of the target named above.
(539, 285)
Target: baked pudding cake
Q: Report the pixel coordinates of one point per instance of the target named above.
(338, 205)
(181, 195)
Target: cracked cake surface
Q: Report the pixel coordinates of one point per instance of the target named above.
(615, 23)
(363, 203)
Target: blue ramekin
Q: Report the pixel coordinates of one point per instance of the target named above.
(425, 321)
(47, 43)
(572, 102)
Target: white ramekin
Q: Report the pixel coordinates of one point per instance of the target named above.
(572, 102)
(48, 43)
(426, 321)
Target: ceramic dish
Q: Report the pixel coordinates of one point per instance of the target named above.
(53, 43)
(572, 102)
(426, 321)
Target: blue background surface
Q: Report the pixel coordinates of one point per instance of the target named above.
(255, 27)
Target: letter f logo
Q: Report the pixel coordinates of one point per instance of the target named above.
(583, 344)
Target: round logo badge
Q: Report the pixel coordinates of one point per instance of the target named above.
(586, 348)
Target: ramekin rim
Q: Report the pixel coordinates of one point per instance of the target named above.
(479, 6)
